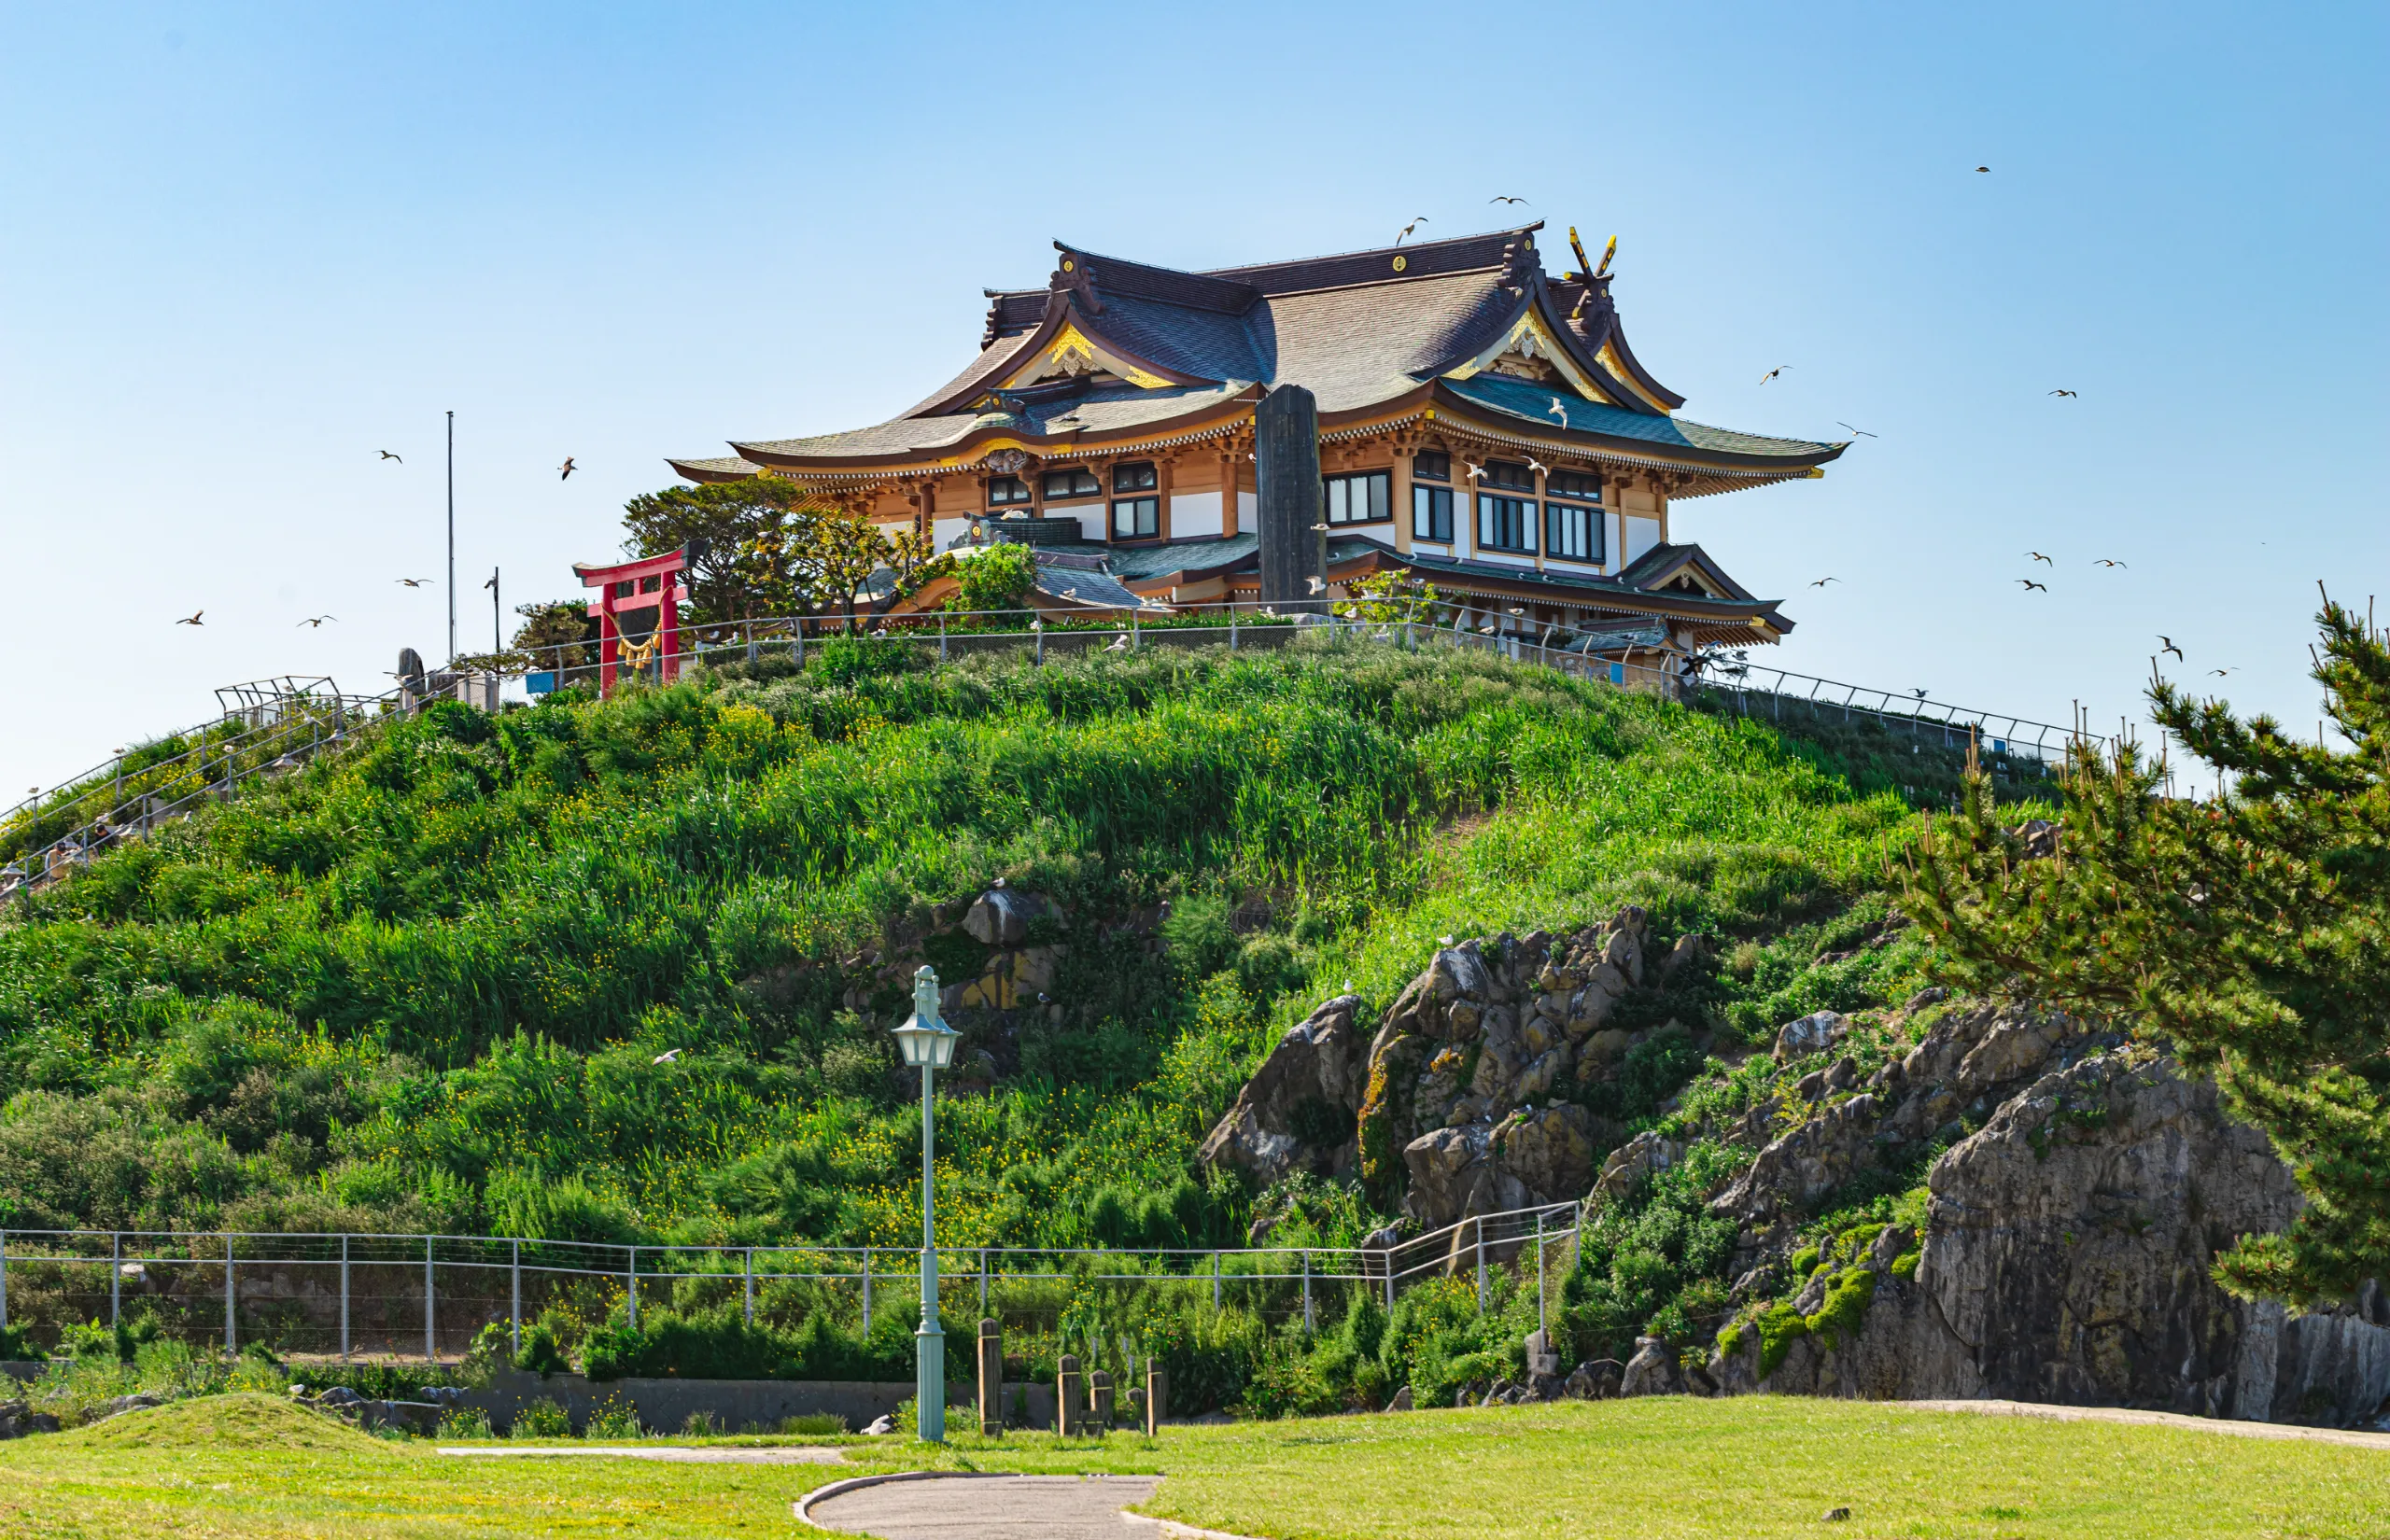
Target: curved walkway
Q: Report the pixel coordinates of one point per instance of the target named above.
(933, 1506)
(2153, 1419)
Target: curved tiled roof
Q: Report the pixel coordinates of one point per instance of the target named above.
(1532, 402)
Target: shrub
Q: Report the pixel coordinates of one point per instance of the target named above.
(466, 1423)
(16, 1344)
(613, 1419)
(540, 1354)
(813, 1425)
(699, 1424)
(542, 1419)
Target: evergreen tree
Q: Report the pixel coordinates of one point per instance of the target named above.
(2247, 932)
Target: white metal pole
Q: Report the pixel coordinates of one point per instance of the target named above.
(232, 1343)
(866, 1291)
(115, 1278)
(515, 1316)
(429, 1353)
(634, 1286)
(1481, 1263)
(452, 539)
(749, 1285)
(1542, 1321)
(929, 1337)
(1307, 1316)
(4, 1278)
(343, 1298)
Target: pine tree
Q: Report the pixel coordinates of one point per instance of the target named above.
(2246, 931)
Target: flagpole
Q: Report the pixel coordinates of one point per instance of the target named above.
(452, 537)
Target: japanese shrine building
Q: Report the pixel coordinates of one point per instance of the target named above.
(1482, 423)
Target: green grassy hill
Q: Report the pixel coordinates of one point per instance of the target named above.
(423, 985)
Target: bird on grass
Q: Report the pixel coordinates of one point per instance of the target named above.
(2030, 584)
(1119, 643)
(2074, 394)
(1409, 228)
(387, 455)
(1861, 431)
(1774, 372)
(564, 471)
(1822, 581)
(1317, 586)
(1443, 941)
(2039, 557)
(415, 582)
(1505, 199)
(192, 619)
(317, 620)
(668, 1057)
(1557, 409)
(2166, 644)
(2105, 562)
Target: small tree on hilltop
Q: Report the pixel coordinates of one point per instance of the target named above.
(836, 552)
(1000, 577)
(1389, 597)
(2252, 932)
(740, 534)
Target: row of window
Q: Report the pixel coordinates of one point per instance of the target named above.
(1366, 496)
(1570, 530)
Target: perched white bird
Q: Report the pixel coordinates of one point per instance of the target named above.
(668, 1057)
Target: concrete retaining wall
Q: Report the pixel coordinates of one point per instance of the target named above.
(666, 1405)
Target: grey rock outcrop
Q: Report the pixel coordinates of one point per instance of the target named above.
(18, 1418)
(1297, 1112)
(2065, 1259)
(1652, 1370)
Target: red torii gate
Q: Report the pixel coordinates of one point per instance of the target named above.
(651, 582)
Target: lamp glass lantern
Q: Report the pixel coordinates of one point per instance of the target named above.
(927, 1044)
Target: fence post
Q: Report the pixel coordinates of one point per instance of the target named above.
(941, 635)
(116, 1277)
(515, 1278)
(983, 1280)
(1232, 627)
(1307, 1318)
(431, 1354)
(1134, 640)
(1542, 1323)
(749, 1287)
(1215, 1281)
(343, 1298)
(4, 1278)
(751, 652)
(634, 1287)
(1481, 1263)
(866, 1291)
(232, 1334)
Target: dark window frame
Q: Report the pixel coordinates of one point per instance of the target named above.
(1498, 514)
(1590, 519)
(1576, 486)
(999, 497)
(1510, 475)
(1431, 465)
(1377, 494)
(1077, 481)
(1136, 476)
(1431, 510)
(1146, 510)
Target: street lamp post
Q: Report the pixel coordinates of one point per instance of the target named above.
(928, 1042)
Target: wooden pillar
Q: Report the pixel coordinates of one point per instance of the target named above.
(1164, 480)
(1229, 463)
(1286, 477)
(1069, 1390)
(992, 1378)
(1157, 1396)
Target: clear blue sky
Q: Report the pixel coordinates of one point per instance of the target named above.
(247, 247)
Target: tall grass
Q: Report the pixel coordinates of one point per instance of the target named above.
(427, 985)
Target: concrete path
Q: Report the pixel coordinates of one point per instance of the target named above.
(2152, 1419)
(792, 1454)
(924, 1506)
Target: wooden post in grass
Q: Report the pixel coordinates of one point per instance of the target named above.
(1157, 1396)
(1099, 1394)
(1068, 1389)
(992, 1378)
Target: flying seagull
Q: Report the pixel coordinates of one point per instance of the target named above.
(1774, 372)
(1557, 410)
(1861, 431)
(1317, 585)
(1533, 464)
(2105, 562)
(1505, 199)
(668, 1057)
(1319, 528)
(2039, 557)
(1119, 643)
(2166, 644)
(1822, 581)
(317, 620)
(2076, 394)
(387, 455)
(2031, 583)
(1983, 168)
(2219, 673)
(564, 471)
(1409, 228)
(1516, 610)
(192, 619)
(415, 582)
(1919, 693)
(1474, 470)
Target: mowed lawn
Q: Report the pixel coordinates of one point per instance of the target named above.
(1755, 1466)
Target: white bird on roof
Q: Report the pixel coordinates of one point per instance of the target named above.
(1557, 410)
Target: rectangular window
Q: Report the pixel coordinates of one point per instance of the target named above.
(1573, 483)
(1364, 497)
(1504, 473)
(1431, 513)
(1505, 524)
(1431, 465)
(1139, 477)
(1004, 491)
(1077, 482)
(1137, 518)
(1573, 532)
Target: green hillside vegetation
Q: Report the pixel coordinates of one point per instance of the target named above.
(424, 985)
